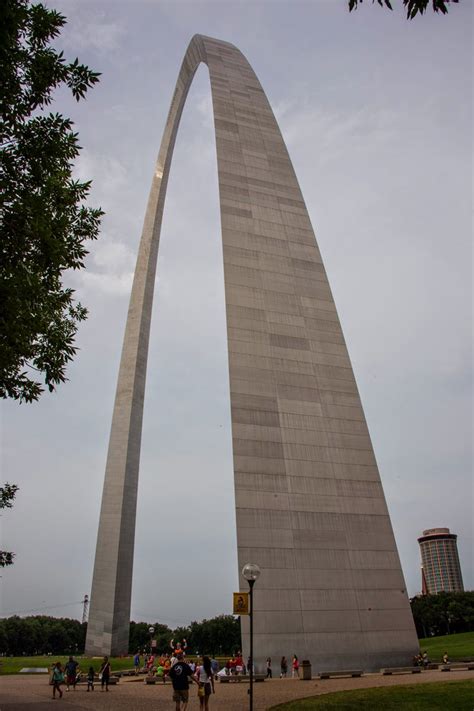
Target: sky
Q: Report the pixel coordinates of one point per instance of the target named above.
(376, 113)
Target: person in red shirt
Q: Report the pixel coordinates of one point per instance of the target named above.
(295, 665)
(239, 663)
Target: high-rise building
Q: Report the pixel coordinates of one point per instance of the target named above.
(440, 567)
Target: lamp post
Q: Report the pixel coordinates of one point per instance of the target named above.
(151, 630)
(251, 572)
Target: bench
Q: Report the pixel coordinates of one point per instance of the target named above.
(457, 666)
(400, 670)
(126, 672)
(341, 672)
(231, 678)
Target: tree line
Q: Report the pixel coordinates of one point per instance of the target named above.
(444, 613)
(40, 634)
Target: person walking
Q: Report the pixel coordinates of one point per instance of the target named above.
(180, 674)
(295, 665)
(57, 678)
(104, 674)
(269, 667)
(71, 673)
(90, 679)
(205, 679)
(283, 667)
(136, 662)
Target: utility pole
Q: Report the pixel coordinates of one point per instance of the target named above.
(85, 608)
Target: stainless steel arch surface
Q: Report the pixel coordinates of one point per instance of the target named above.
(310, 508)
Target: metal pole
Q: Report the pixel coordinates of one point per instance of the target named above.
(251, 584)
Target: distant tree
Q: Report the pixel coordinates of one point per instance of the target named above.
(443, 613)
(40, 634)
(217, 636)
(44, 223)
(139, 638)
(413, 7)
(7, 496)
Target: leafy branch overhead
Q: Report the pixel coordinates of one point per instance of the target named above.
(45, 222)
(7, 496)
(413, 7)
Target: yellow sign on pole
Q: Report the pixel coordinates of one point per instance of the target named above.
(241, 603)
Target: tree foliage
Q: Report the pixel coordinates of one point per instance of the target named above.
(217, 636)
(443, 613)
(140, 637)
(44, 222)
(7, 496)
(413, 7)
(40, 634)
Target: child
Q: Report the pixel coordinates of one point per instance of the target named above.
(90, 679)
(57, 679)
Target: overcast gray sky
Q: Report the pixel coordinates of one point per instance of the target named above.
(376, 113)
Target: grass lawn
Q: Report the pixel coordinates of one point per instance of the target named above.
(458, 646)
(12, 665)
(437, 696)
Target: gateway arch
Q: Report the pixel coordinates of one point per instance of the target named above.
(310, 508)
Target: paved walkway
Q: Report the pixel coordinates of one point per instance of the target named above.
(33, 693)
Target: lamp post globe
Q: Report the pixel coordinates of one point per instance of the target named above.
(251, 572)
(151, 631)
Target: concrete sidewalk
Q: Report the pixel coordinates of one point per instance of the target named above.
(23, 693)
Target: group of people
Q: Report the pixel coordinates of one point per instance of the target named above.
(173, 666)
(422, 659)
(182, 674)
(236, 665)
(295, 665)
(71, 674)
